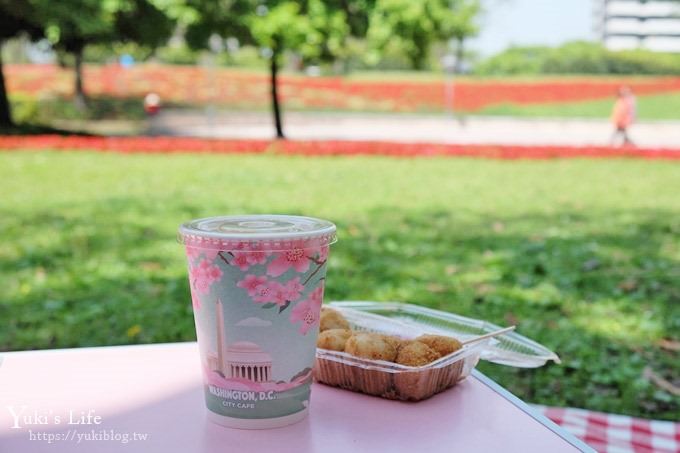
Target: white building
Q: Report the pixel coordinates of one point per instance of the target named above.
(246, 360)
(242, 359)
(635, 24)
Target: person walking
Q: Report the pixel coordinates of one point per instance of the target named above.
(623, 116)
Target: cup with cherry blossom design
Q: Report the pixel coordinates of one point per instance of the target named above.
(257, 284)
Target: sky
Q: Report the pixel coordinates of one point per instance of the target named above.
(532, 22)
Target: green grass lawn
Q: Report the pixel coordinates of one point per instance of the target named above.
(650, 107)
(583, 255)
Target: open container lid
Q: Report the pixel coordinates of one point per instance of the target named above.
(510, 349)
(266, 232)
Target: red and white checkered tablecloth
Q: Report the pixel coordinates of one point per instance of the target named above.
(610, 433)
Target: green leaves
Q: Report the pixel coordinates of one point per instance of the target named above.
(72, 24)
(284, 306)
(280, 26)
(315, 29)
(412, 27)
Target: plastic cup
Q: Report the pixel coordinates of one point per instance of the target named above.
(257, 286)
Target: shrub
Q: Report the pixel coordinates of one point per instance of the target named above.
(30, 110)
(575, 58)
(579, 57)
(244, 57)
(25, 108)
(110, 53)
(177, 55)
(515, 60)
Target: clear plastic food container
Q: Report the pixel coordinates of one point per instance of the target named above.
(395, 381)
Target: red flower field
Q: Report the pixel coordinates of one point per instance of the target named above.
(320, 148)
(244, 89)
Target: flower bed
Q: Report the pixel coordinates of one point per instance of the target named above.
(322, 148)
(238, 89)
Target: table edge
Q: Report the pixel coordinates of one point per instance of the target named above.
(80, 348)
(533, 413)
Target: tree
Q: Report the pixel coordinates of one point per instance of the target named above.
(461, 26)
(71, 25)
(277, 29)
(412, 26)
(315, 29)
(15, 19)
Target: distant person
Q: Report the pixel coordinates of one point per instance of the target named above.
(623, 116)
(152, 104)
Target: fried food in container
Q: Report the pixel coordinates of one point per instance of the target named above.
(332, 319)
(333, 339)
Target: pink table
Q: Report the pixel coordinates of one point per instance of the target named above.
(151, 395)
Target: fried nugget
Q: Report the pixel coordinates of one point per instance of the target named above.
(332, 319)
(333, 339)
(372, 346)
(443, 345)
(394, 341)
(415, 353)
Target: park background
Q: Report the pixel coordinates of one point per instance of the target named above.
(376, 99)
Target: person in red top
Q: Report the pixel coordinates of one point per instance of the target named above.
(623, 115)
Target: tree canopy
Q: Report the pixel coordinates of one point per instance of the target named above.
(316, 30)
(413, 26)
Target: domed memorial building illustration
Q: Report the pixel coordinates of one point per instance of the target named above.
(242, 359)
(247, 361)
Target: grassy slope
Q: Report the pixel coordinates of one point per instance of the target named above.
(650, 107)
(582, 255)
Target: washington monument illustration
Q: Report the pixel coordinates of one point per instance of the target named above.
(240, 360)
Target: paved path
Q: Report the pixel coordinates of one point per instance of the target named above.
(409, 128)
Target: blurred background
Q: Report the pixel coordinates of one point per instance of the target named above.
(498, 66)
(582, 254)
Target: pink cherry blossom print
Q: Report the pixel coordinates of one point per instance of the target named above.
(245, 256)
(196, 274)
(204, 269)
(265, 292)
(296, 257)
(292, 289)
(192, 253)
(308, 311)
(242, 246)
(323, 253)
(240, 260)
(195, 300)
(214, 273)
(210, 253)
(201, 278)
(279, 294)
(251, 282)
(202, 285)
(195, 252)
(256, 257)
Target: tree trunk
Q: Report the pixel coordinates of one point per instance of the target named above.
(5, 110)
(80, 98)
(460, 54)
(276, 109)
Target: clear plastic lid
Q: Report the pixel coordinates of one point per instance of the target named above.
(510, 349)
(262, 232)
(363, 321)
